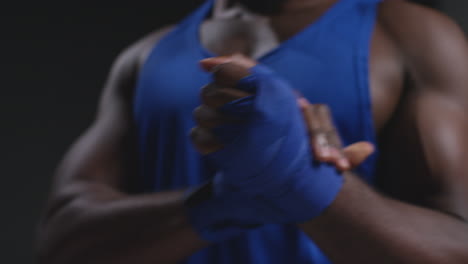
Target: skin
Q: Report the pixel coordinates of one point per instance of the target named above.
(424, 177)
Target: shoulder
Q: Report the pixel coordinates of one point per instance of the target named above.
(125, 68)
(134, 56)
(433, 45)
(120, 85)
(411, 24)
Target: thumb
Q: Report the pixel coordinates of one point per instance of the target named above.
(210, 64)
(228, 70)
(357, 153)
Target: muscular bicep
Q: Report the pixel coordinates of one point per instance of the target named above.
(97, 163)
(102, 162)
(424, 152)
(442, 127)
(440, 74)
(425, 148)
(101, 154)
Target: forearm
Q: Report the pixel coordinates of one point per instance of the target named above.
(362, 226)
(108, 227)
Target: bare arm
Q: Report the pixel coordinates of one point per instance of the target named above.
(92, 217)
(363, 226)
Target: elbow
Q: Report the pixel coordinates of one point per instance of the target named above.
(46, 252)
(68, 233)
(42, 249)
(60, 232)
(49, 246)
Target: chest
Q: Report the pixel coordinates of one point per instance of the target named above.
(327, 62)
(385, 73)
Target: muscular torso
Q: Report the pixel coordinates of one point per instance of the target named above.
(401, 156)
(254, 38)
(387, 84)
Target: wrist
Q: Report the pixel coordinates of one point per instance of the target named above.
(196, 195)
(312, 190)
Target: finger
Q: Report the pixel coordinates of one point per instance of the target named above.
(227, 71)
(215, 96)
(208, 117)
(331, 154)
(229, 74)
(317, 142)
(204, 140)
(303, 103)
(211, 63)
(324, 124)
(328, 137)
(357, 153)
(338, 159)
(324, 139)
(318, 129)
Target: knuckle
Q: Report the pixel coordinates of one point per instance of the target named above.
(318, 130)
(198, 110)
(198, 114)
(194, 132)
(334, 140)
(204, 141)
(309, 110)
(210, 95)
(315, 106)
(193, 135)
(228, 74)
(222, 74)
(208, 90)
(321, 139)
(206, 116)
(202, 136)
(322, 109)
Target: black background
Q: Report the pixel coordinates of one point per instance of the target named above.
(54, 58)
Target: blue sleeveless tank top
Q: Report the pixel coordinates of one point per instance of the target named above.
(327, 62)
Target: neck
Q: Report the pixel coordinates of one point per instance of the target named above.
(294, 16)
(297, 15)
(306, 6)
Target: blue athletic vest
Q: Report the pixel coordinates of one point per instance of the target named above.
(327, 62)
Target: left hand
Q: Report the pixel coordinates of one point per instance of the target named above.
(326, 142)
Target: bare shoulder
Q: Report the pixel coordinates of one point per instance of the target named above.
(424, 141)
(411, 23)
(144, 46)
(136, 54)
(125, 69)
(433, 45)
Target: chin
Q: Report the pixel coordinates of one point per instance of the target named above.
(263, 7)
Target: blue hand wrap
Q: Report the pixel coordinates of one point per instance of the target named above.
(266, 172)
(269, 158)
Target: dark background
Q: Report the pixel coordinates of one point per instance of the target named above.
(54, 58)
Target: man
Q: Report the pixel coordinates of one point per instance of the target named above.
(418, 65)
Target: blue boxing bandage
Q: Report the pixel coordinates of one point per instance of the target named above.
(270, 157)
(265, 172)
